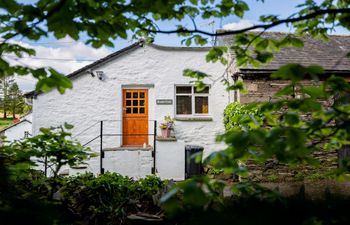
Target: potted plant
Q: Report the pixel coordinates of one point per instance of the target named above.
(167, 126)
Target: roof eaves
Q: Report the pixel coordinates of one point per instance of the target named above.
(259, 71)
(106, 59)
(252, 74)
(177, 48)
(15, 124)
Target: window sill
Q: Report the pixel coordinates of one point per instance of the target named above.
(193, 118)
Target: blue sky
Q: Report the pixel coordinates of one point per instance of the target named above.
(67, 55)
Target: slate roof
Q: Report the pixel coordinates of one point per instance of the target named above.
(331, 55)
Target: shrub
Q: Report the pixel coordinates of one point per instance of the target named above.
(241, 116)
(110, 198)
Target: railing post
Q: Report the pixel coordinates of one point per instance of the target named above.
(45, 165)
(154, 147)
(102, 154)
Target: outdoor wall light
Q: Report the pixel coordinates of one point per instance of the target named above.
(99, 73)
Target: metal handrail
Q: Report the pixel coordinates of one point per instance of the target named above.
(83, 131)
(91, 140)
(111, 135)
(101, 135)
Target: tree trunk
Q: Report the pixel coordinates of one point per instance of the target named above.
(5, 97)
(14, 111)
(5, 114)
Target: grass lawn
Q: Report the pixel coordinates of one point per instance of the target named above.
(5, 122)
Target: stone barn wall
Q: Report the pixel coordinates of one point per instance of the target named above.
(263, 90)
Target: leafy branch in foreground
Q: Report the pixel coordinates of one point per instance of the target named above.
(302, 121)
(52, 149)
(105, 21)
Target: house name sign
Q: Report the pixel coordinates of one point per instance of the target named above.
(164, 101)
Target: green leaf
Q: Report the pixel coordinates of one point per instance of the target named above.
(291, 118)
(314, 91)
(295, 42)
(315, 70)
(264, 57)
(68, 126)
(286, 91)
(216, 53)
(188, 41)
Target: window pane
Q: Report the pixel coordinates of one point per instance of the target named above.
(201, 105)
(135, 95)
(135, 110)
(183, 90)
(135, 102)
(128, 102)
(142, 102)
(128, 95)
(142, 110)
(205, 90)
(142, 95)
(128, 110)
(183, 105)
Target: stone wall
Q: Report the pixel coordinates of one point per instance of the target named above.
(273, 171)
(263, 90)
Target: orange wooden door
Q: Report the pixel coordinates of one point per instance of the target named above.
(135, 117)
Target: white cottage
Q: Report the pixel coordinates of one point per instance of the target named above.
(18, 130)
(118, 102)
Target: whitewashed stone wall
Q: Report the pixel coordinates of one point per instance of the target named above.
(170, 160)
(160, 69)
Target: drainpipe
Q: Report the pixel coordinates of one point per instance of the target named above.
(235, 78)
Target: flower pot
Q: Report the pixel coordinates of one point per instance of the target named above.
(165, 132)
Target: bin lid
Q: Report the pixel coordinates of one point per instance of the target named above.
(194, 147)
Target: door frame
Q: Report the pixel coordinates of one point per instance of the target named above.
(147, 101)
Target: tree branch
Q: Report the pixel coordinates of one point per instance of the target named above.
(28, 29)
(260, 26)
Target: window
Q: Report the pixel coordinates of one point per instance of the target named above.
(135, 102)
(189, 101)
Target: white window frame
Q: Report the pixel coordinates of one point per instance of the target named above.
(193, 96)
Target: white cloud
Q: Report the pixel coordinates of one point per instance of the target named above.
(238, 25)
(65, 55)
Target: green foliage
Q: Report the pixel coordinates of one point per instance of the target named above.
(290, 130)
(15, 100)
(198, 76)
(238, 116)
(292, 210)
(286, 135)
(24, 192)
(102, 22)
(192, 195)
(297, 73)
(53, 147)
(110, 198)
(217, 53)
(5, 122)
(85, 199)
